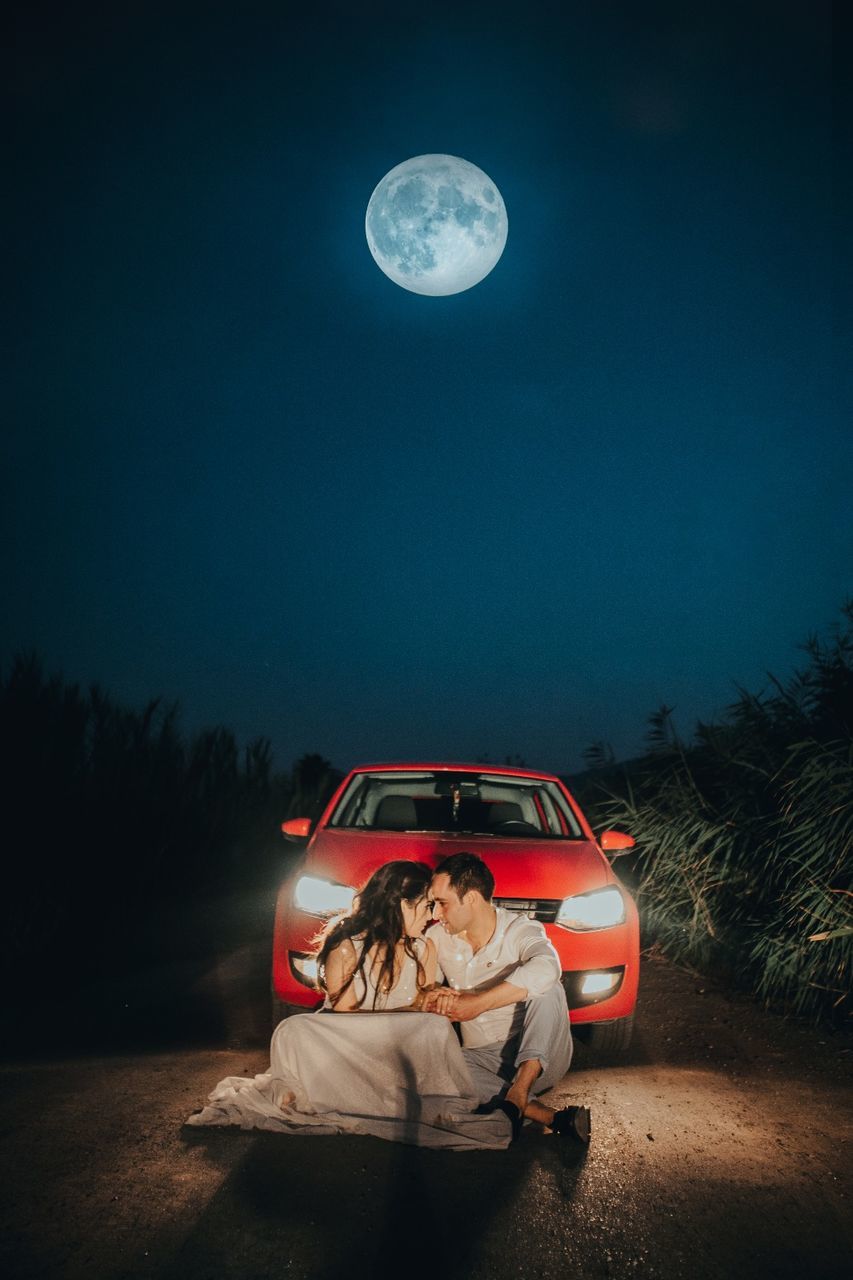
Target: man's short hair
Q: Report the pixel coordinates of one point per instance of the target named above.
(466, 871)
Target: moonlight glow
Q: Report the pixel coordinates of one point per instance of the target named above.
(436, 224)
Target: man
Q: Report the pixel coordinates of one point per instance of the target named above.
(504, 990)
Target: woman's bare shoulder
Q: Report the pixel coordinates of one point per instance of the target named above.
(345, 951)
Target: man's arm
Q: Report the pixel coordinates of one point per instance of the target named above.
(462, 1006)
(539, 965)
(537, 970)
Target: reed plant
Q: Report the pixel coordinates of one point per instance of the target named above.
(745, 834)
(113, 817)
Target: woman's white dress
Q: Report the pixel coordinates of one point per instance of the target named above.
(391, 1073)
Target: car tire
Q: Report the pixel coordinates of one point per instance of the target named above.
(610, 1037)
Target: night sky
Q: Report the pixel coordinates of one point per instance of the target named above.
(245, 471)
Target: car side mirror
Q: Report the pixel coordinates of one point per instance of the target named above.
(616, 843)
(296, 828)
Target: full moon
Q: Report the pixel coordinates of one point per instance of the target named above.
(436, 225)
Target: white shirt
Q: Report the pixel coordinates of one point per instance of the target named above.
(518, 952)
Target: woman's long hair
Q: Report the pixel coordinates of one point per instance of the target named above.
(376, 918)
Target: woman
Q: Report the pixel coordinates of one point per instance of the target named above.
(376, 957)
(392, 1071)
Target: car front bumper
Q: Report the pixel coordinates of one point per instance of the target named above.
(613, 952)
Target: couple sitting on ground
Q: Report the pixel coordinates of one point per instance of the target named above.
(407, 1078)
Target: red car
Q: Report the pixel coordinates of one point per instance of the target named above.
(529, 830)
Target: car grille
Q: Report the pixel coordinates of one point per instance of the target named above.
(544, 909)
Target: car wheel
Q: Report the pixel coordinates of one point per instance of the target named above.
(610, 1037)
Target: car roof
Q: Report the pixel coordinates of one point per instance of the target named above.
(453, 767)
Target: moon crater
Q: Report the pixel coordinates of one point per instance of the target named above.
(436, 225)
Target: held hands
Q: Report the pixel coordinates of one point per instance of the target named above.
(469, 1004)
(458, 1006)
(440, 1000)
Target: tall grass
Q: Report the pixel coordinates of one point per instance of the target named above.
(111, 815)
(745, 834)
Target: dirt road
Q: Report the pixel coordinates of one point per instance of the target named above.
(721, 1146)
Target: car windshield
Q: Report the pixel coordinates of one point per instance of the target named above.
(471, 803)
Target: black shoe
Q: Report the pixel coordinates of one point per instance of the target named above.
(573, 1122)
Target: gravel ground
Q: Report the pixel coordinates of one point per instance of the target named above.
(721, 1148)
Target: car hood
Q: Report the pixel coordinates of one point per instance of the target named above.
(522, 868)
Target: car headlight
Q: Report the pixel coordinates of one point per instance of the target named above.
(322, 897)
(600, 909)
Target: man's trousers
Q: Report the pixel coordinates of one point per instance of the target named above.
(544, 1034)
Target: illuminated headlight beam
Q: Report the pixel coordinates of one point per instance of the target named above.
(594, 983)
(321, 897)
(601, 909)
